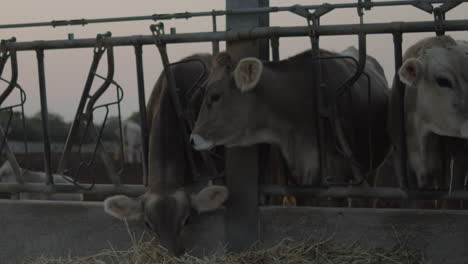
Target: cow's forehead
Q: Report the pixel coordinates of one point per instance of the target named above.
(180, 196)
(451, 59)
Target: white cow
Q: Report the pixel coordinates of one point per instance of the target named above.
(132, 142)
(436, 96)
(7, 176)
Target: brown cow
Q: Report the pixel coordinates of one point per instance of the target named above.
(250, 102)
(166, 205)
(435, 111)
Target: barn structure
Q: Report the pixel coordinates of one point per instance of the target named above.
(34, 228)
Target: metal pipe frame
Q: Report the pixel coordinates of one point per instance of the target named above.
(215, 43)
(248, 33)
(400, 94)
(336, 192)
(364, 192)
(72, 134)
(321, 106)
(142, 103)
(244, 34)
(176, 101)
(106, 189)
(44, 116)
(214, 13)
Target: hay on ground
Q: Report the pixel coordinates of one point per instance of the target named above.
(286, 252)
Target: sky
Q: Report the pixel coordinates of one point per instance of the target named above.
(66, 70)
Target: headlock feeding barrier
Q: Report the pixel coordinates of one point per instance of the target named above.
(104, 43)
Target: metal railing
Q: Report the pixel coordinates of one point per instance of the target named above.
(394, 28)
(424, 5)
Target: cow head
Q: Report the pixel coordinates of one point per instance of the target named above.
(436, 70)
(165, 212)
(230, 106)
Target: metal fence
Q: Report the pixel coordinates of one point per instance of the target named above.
(104, 43)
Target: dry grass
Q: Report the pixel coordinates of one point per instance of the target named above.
(287, 251)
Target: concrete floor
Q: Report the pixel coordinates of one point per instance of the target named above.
(33, 228)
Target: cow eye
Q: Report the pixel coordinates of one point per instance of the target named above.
(444, 82)
(215, 97)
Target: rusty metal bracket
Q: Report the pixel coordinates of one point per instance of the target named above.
(424, 6)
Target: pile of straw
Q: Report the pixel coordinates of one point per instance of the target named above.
(286, 252)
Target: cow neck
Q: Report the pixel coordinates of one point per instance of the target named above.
(167, 164)
(290, 121)
(423, 145)
(302, 157)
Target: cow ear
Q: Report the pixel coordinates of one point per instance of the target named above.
(123, 207)
(247, 73)
(410, 71)
(210, 198)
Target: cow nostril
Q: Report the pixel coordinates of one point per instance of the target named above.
(192, 141)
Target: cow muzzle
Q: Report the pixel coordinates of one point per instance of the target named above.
(200, 143)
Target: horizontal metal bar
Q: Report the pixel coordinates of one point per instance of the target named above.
(187, 15)
(105, 189)
(335, 192)
(364, 192)
(244, 34)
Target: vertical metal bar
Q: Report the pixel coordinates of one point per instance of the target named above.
(44, 115)
(177, 105)
(322, 108)
(346, 87)
(242, 170)
(400, 95)
(275, 48)
(215, 43)
(142, 103)
(264, 21)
